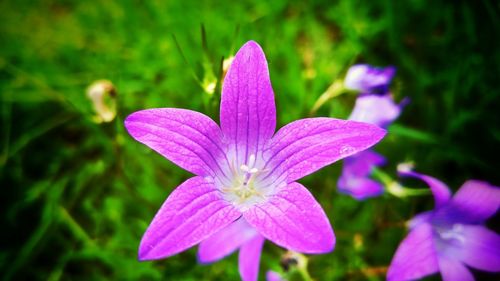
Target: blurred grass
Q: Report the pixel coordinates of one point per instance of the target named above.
(77, 196)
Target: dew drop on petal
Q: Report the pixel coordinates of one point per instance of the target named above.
(346, 149)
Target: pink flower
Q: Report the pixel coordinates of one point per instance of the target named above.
(243, 170)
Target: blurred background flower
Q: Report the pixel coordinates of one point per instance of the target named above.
(367, 79)
(102, 94)
(374, 105)
(452, 235)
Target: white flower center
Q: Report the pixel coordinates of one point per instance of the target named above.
(455, 233)
(244, 188)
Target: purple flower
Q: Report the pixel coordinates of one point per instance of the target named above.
(380, 110)
(242, 170)
(238, 235)
(368, 79)
(450, 236)
(354, 180)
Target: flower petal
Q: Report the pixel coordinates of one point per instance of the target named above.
(424, 217)
(193, 212)
(188, 138)
(307, 145)
(361, 164)
(293, 219)
(354, 179)
(249, 258)
(415, 257)
(374, 109)
(480, 248)
(452, 270)
(368, 79)
(474, 202)
(440, 190)
(226, 241)
(273, 276)
(248, 112)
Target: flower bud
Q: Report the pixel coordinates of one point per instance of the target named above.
(102, 93)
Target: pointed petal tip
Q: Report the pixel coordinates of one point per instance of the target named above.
(130, 118)
(328, 245)
(144, 253)
(325, 246)
(191, 214)
(376, 133)
(147, 252)
(141, 258)
(251, 44)
(380, 133)
(143, 112)
(391, 276)
(250, 49)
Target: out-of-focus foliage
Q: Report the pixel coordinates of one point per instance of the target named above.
(76, 195)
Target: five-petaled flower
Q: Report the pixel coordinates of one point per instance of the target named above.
(374, 105)
(451, 235)
(242, 170)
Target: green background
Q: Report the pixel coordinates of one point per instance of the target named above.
(76, 196)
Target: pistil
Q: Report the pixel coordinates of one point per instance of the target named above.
(455, 233)
(244, 187)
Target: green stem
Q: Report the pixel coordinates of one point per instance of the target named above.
(335, 90)
(394, 188)
(382, 176)
(415, 191)
(74, 227)
(302, 268)
(304, 273)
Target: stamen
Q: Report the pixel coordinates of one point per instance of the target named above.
(251, 160)
(245, 187)
(455, 233)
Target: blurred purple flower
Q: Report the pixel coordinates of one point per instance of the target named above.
(450, 236)
(368, 79)
(273, 276)
(355, 179)
(242, 170)
(380, 110)
(241, 236)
